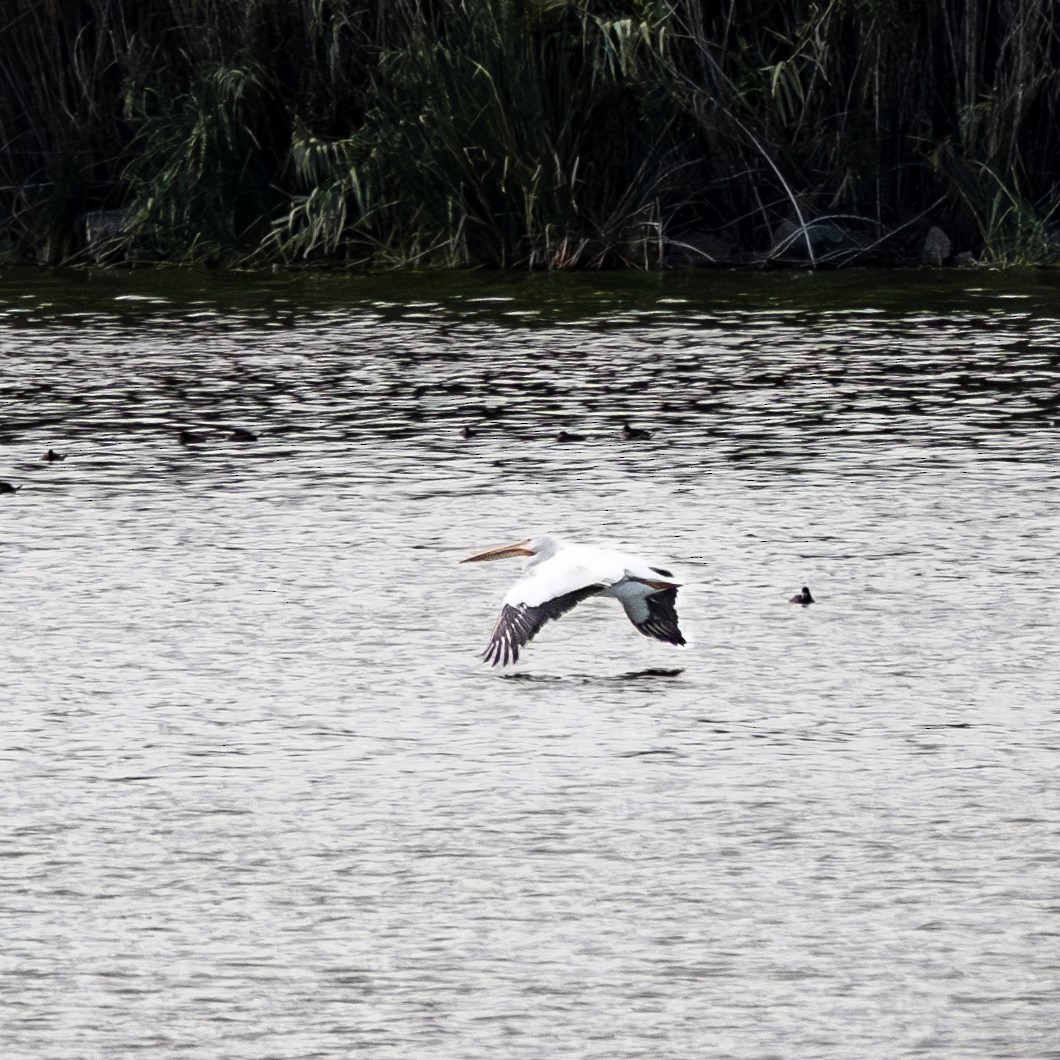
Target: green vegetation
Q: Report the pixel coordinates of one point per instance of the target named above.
(528, 133)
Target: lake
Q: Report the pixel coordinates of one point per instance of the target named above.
(260, 796)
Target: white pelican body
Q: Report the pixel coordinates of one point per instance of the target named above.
(559, 575)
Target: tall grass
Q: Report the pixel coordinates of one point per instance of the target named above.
(529, 133)
(513, 133)
(200, 179)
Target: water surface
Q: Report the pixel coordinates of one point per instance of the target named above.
(259, 797)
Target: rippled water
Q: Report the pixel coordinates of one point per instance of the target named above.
(260, 798)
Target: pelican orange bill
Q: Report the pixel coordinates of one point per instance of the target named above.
(501, 552)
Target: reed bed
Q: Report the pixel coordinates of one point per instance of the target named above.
(528, 133)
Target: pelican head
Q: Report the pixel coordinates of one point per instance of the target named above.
(541, 547)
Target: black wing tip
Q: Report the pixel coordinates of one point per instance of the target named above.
(520, 623)
(500, 653)
(662, 623)
(666, 634)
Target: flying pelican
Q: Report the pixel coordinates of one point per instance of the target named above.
(804, 598)
(559, 575)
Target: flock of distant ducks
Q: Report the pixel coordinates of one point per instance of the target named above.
(51, 457)
(241, 434)
(630, 434)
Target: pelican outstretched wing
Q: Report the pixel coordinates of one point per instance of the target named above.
(651, 609)
(559, 575)
(520, 623)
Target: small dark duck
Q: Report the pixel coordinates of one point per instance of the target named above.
(241, 434)
(635, 434)
(52, 456)
(6, 487)
(803, 599)
(565, 436)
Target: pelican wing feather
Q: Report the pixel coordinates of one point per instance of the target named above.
(651, 609)
(520, 623)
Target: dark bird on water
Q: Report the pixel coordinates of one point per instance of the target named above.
(241, 434)
(6, 487)
(804, 598)
(467, 432)
(190, 437)
(565, 436)
(51, 456)
(635, 434)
